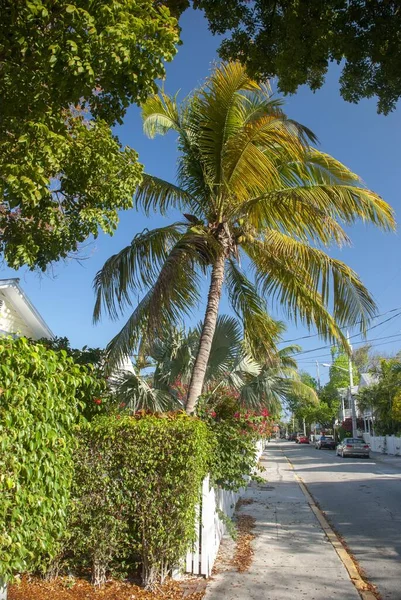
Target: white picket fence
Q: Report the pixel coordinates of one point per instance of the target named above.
(386, 444)
(209, 527)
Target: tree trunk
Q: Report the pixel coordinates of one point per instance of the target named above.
(206, 338)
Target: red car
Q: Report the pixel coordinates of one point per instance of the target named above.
(303, 439)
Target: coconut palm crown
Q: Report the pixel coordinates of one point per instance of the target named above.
(259, 203)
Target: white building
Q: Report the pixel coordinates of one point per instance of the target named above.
(18, 316)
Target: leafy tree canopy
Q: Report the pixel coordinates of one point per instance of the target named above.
(295, 40)
(384, 398)
(69, 70)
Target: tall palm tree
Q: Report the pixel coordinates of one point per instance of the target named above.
(258, 199)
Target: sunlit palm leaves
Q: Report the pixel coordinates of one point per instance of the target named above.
(254, 190)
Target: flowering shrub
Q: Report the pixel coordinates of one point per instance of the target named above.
(236, 431)
(347, 425)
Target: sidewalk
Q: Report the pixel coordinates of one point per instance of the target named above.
(292, 556)
(388, 459)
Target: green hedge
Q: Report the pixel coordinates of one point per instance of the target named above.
(137, 482)
(38, 413)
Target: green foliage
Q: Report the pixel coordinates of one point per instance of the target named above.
(60, 187)
(137, 482)
(322, 413)
(236, 432)
(85, 356)
(90, 405)
(250, 184)
(384, 398)
(339, 370)
(39, 395)
(296, 41)
(69, 70)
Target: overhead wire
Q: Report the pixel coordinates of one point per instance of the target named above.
(351, 337)
(305, 337)
(312, 360)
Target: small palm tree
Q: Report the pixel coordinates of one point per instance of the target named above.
(257, 199)
(230, 367)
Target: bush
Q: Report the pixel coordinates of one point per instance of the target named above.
(38, 411)
(137, 484)
(236, 432)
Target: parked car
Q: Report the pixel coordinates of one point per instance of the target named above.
(292, 437)
(353, 447)
(297, 436)
(325, 441)
(303, 439)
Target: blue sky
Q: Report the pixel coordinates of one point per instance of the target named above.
(366, 142)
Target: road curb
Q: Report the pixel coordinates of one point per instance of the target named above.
(362, 586)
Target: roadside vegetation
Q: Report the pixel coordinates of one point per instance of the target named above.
(100, 467)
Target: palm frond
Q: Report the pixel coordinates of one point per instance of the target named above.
(260, 330)
(305, 280)
(172, 296)
(285, 358)
(216, 113)
(253, 156)
(137, 393)
(133, 269)
(267, 390)
(157, 195)
(160, 114)
(226, 345)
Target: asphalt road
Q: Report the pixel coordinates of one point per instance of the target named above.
(362, 500)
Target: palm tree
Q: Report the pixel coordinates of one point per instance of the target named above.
(230, 366)
(258, 198)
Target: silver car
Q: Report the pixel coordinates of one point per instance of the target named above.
(353, 447)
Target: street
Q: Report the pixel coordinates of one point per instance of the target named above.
(362, 500)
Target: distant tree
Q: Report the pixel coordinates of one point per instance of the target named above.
(69, 69)
(384, 398)
(368, 361)
(296, 40)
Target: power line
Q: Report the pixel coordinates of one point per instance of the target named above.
(352, 336)
(387, 337)
(305, 337)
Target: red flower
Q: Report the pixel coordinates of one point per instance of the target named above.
(212, 414)
(97, 401)
(123, 404)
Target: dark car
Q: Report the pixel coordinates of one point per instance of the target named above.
(325, 442)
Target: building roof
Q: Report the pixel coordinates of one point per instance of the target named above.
(20, 301)
(368, 379)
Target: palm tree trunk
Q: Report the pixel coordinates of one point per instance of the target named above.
(206, 338)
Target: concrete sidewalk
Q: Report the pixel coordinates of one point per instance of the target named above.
(388, 459)
(292, 556)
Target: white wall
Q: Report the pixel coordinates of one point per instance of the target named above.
(10, 320)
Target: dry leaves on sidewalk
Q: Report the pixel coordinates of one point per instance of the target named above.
(67, 588)
(243, 552)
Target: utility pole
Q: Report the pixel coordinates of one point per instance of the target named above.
(350, 396)
(318, 375)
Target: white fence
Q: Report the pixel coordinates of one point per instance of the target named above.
(209, 527)
(386, 444)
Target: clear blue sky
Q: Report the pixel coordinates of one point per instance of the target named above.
(368, 143)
